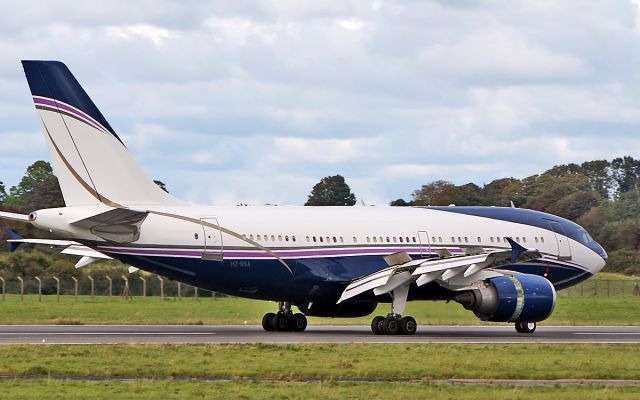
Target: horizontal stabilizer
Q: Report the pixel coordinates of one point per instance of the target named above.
(119, 225)
(14, 216)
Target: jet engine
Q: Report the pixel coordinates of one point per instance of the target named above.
(342, 310)
(516, 298)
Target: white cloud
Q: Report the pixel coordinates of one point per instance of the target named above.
(153, 33)
(262, 99)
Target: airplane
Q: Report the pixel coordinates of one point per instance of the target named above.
(504, 264)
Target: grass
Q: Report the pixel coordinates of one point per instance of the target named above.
(43, 390)
(205, 311)
(295, 362)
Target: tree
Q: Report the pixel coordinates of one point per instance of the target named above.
(599, 174)
(37, 189)
(501, 192)
(161, 184)
(331, 191)
(3, 193)
(626, 173)
(401, 203)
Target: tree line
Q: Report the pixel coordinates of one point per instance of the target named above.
(601, 195)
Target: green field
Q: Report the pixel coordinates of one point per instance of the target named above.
(227, 310)
(304, 361)
(314, 371)
(88, 390)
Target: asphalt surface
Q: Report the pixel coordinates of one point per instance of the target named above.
(102, 334)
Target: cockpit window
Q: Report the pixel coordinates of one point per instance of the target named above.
(584, 237)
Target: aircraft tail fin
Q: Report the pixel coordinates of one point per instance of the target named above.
(91, 161)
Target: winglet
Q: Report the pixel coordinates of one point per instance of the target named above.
(516, 250)
(13, 236)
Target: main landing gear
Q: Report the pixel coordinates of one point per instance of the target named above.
(394, 323)
(525, 327)
(284, 320)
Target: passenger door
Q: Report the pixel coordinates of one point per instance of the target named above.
(564, 249)
(425, 246)
(212, 239)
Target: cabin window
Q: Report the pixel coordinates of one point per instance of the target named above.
(355, 240)
(368, 239)
(401, 239)
(286, 238)
(293, 238)
(307, 238)
(541, 239)
(479, 239)
(433, 239)
(518, 239)
(466, 239)
(328, 239)
(408, 239)
(536, 239)
(388, 239)
(341, 239)
(459, 239)
(439, 239)
(453, 240)
(381, 239)
(251, 237)
(394, 239)
(498, 239)
(258, 237)
(244, 237)
(320, 237)
(414, 239)
(314, 239)
(335, 240)
(273, 238)
(491, 239)
(375, 239)
(524, 239)
(280, 238)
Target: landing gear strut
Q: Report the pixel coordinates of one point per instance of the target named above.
(284, 320)
(525, 327)
(394, 323)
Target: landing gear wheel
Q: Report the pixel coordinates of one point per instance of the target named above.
(376, 325)
(280, 322)
(390, 326)
(408, 325)
(267, 321)
(526, 327)
(299, 322)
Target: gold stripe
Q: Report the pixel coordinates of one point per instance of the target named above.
(225, 230)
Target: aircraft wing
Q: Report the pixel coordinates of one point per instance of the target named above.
(424, 271)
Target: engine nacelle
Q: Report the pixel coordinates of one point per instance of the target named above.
(517, 298)
(342, 310)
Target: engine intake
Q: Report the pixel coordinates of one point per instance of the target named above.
(517, 298)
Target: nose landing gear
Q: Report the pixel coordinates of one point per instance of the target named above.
(284, 320)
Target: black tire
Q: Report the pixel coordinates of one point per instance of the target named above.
(408, 326)
(299, 322)
(267, 322)
(526, 327)
(391, 326)
(376, 325)
(280, 322)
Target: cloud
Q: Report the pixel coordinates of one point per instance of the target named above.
(257, 101)
(153, 33)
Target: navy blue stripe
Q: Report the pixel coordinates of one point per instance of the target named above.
(53, 79)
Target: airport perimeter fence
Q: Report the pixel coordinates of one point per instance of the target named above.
(601, 287)
(155, 286)
(122, 286)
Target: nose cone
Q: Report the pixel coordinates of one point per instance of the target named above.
(600, 262)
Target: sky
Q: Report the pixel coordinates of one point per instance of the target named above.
(254, 102)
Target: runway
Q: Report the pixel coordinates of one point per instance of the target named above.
(147, 334)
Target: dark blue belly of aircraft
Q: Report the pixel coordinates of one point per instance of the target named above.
(318, 279)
